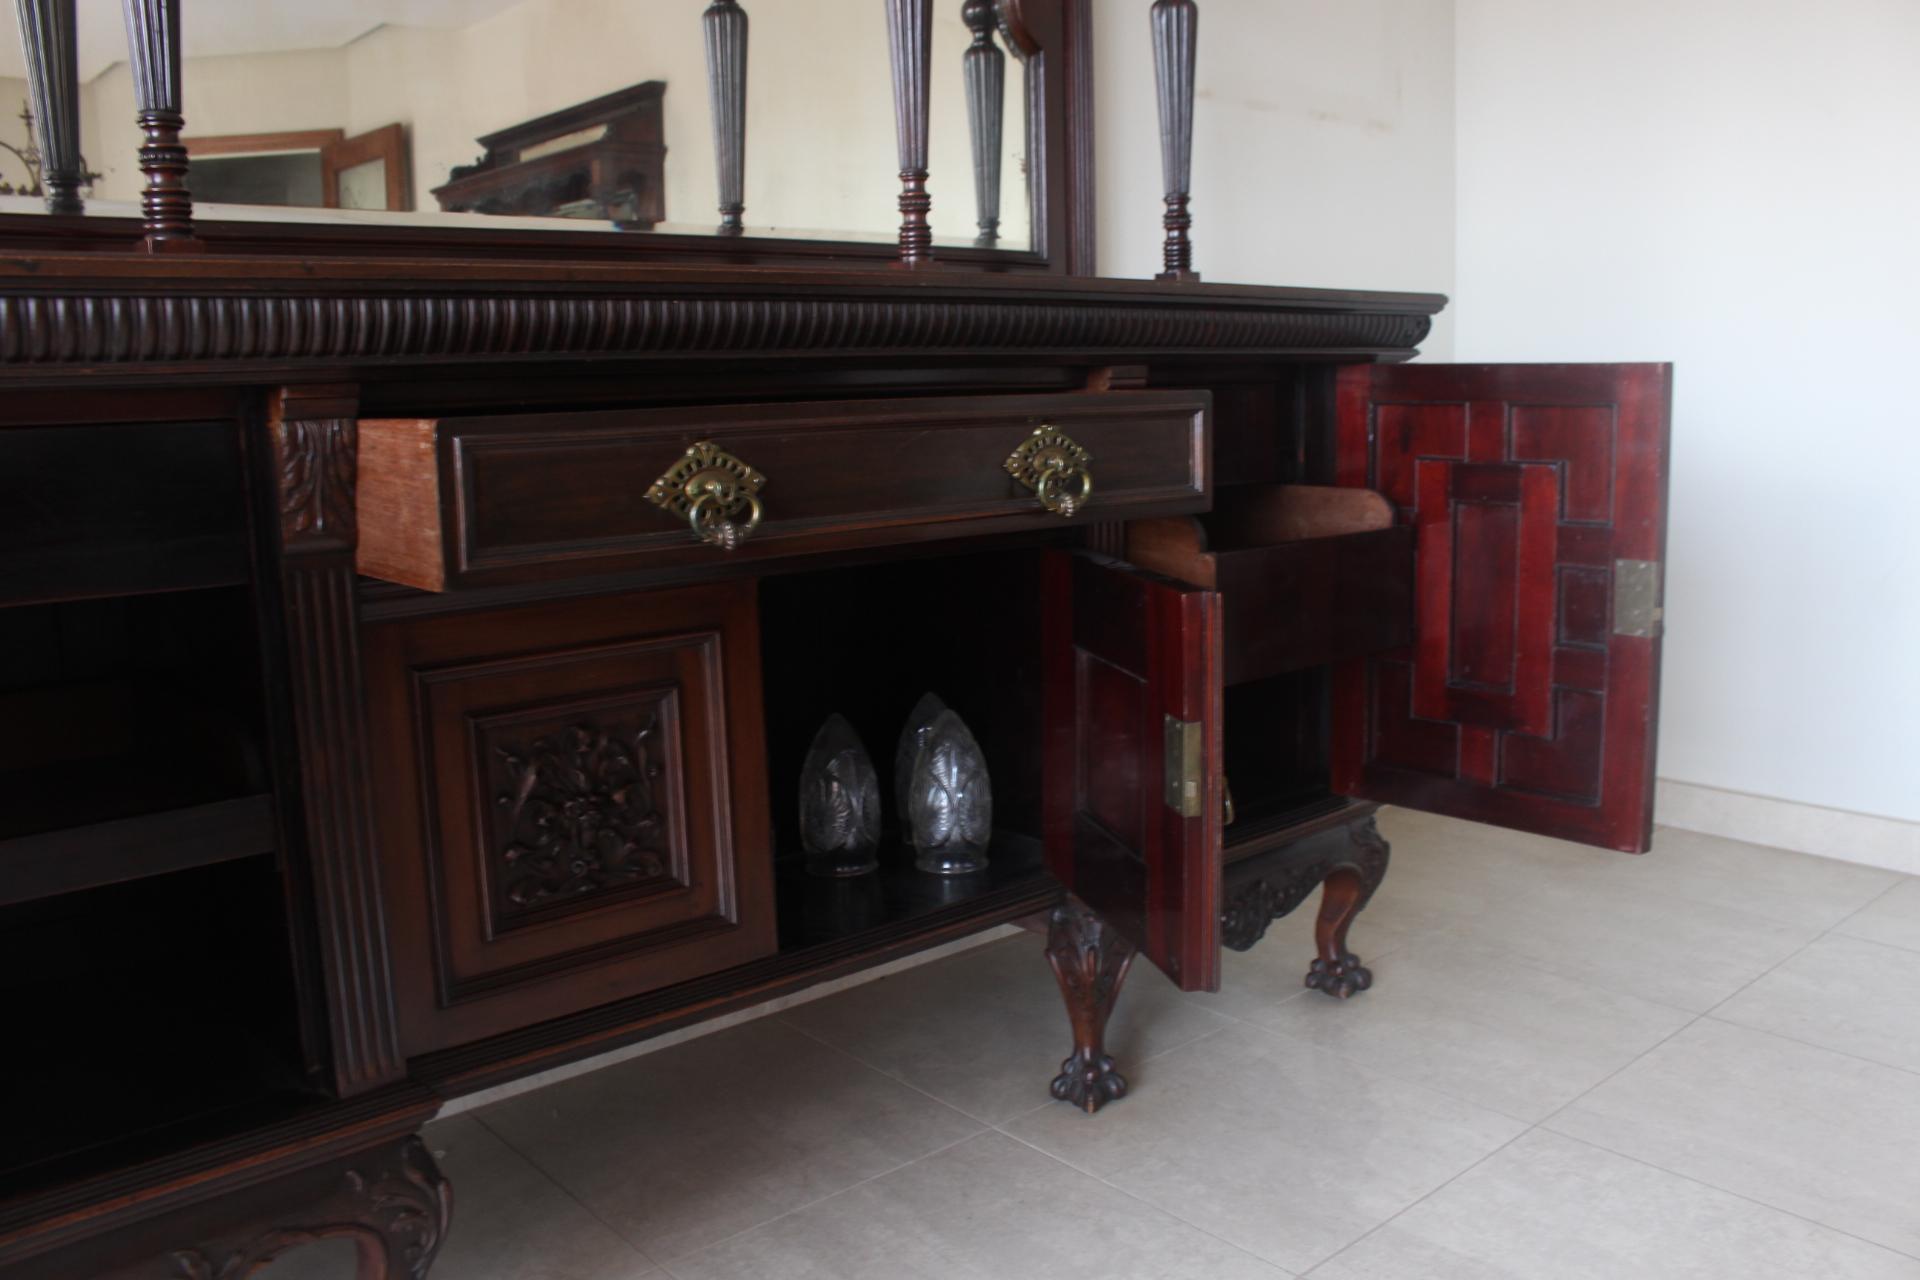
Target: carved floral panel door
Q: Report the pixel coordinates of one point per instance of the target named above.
(1529, 697)
(572, 804)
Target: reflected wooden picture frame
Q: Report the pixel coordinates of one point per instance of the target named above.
(348, 166)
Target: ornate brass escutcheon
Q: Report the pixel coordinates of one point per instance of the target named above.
(711, 489)
(1055, 468)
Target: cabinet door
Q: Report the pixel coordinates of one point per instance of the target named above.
(572, 804)
(1530, 693)
(1132, 766)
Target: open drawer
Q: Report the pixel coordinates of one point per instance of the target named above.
(455, 502)
(1308, 574)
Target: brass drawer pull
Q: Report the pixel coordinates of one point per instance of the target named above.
(712, 489)
(1057, 469)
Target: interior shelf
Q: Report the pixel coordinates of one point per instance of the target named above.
(146, 1014)
(101, 853)
(168, 515)
(817, 910)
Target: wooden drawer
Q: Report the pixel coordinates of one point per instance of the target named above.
(451, 502)
(1308, 575)
(571, 802)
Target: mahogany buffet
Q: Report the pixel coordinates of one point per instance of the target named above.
(374, 739)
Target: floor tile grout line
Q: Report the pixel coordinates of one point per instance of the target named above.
(1421, 1083)
(667, 1266)
(1405, 1209)
(1810, 1044)
(1064, 1163)
(564, 1190)
(1762, 977)
(902, 1080)
(1873, 901)
(1727, 1191)
(890, 1076)
(1615, 1074)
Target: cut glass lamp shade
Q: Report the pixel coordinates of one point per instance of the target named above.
(913, 736)
(839, 803)
(950, 811)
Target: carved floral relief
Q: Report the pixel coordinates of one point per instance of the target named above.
(580, 811)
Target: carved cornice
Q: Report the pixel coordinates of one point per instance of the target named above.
(43, 330)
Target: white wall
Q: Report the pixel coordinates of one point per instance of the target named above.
(1323, 144)
(251, 93)
(1731, 185)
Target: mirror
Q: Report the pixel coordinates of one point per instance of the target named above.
(442, 112)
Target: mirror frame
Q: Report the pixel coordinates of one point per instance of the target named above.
(1053, 39)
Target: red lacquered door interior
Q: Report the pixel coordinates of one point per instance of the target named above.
(1133, 757)
(1529, 697)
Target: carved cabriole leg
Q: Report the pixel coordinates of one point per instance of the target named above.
(153, 51)
(1350, 861)
(47, 36)
(910, 47)
(1090, 961)
(313, 434)
(1337, 971)
(984, 68)
(725, 25)
(394, 1204)
(1175, 24)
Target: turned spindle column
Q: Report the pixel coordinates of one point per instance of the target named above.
(726, 30)
(984, 68)
(1174, 24)
(910, 48)
(153, 50)
(53, 75)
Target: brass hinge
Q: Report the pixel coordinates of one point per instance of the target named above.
(1185, 767)
(1636, 598)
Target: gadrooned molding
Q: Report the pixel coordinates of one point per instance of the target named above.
(58, 329)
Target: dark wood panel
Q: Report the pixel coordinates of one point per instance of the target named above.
(1526, 698)
(472, 501)
(1129, 655)
(572, 804)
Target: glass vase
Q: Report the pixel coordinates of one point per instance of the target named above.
(950, 810)
(839, 803)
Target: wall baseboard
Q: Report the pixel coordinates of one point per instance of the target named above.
(1891, 843)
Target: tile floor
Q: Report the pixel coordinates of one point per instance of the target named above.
(1573, 1065)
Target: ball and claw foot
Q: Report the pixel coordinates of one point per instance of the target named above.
(1342, 978)
(1089, 1083)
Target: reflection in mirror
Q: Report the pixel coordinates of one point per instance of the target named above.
(436, 111)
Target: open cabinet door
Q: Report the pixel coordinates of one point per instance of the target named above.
(1530, 694)
(1132, 768)
(368, 171)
